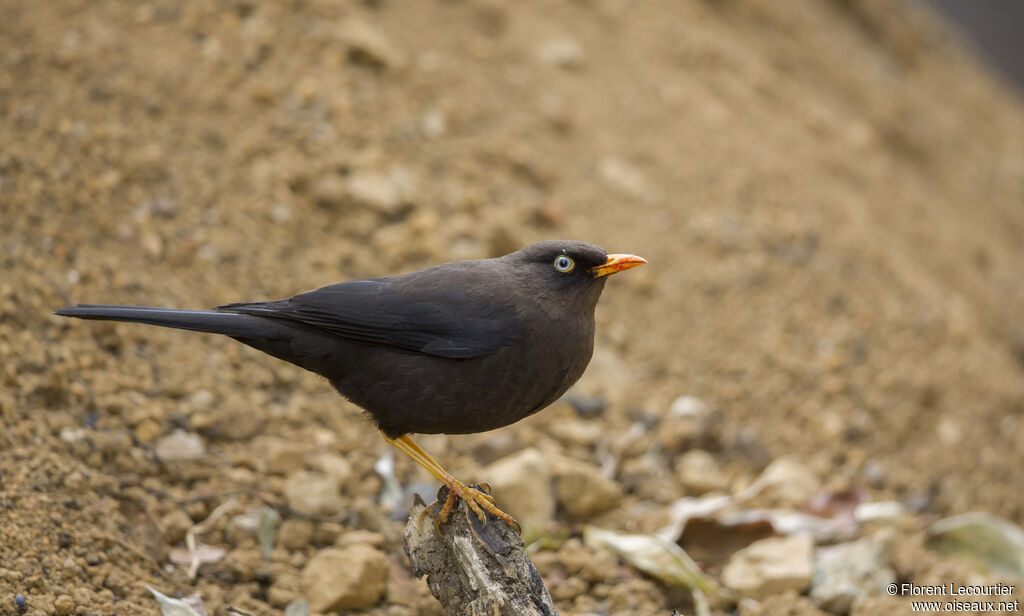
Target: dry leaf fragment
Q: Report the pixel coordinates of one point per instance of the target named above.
(660, 558)
(169, 606)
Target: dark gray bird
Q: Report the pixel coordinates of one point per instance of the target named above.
(457, 348)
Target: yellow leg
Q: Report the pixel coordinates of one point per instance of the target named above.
(477, 500)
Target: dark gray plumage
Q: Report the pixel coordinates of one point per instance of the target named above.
(456, 348)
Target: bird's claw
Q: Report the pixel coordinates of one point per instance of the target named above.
(478, 501)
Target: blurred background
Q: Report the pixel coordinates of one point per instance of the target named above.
(993, 26)
(827, 339)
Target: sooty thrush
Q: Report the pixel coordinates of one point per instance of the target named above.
(456, 348)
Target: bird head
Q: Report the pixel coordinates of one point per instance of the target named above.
(569, 272)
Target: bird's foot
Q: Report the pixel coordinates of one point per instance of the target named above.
(478, 501)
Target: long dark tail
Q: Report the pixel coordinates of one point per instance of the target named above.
(212, 321)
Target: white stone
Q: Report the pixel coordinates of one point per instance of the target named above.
(313, 493)
(688, 406)
(771, 566)
(334, 466)
(563, 52)
(625, 178)
(283, 457)
(349, 578)
(790, 482)
(370, 45)
(522, 486)
(179, 445)
(849, 570)
(698, 472)
(581, 489)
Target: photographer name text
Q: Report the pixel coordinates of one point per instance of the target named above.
(951, 589)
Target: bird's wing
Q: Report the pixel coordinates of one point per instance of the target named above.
(434, 320)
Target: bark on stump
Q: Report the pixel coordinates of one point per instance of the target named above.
(474, 569)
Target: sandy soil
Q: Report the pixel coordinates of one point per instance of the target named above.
(829, 194)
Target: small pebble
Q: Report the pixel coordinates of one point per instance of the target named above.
(175, 525)
(295, 534)
(64, 605)
(82, 596)
(586, 407)
(562, 52)
(179, 446)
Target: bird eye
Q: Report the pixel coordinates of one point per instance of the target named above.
(564, 264)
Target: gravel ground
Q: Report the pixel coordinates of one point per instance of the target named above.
(828, 193)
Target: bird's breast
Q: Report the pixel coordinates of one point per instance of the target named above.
(457, 396)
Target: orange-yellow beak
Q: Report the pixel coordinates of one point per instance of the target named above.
(617, 263)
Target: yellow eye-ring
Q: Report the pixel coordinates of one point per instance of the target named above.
(564, 264)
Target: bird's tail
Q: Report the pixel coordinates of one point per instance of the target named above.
(211, 321)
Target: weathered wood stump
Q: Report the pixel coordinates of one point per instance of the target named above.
(474, 569)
